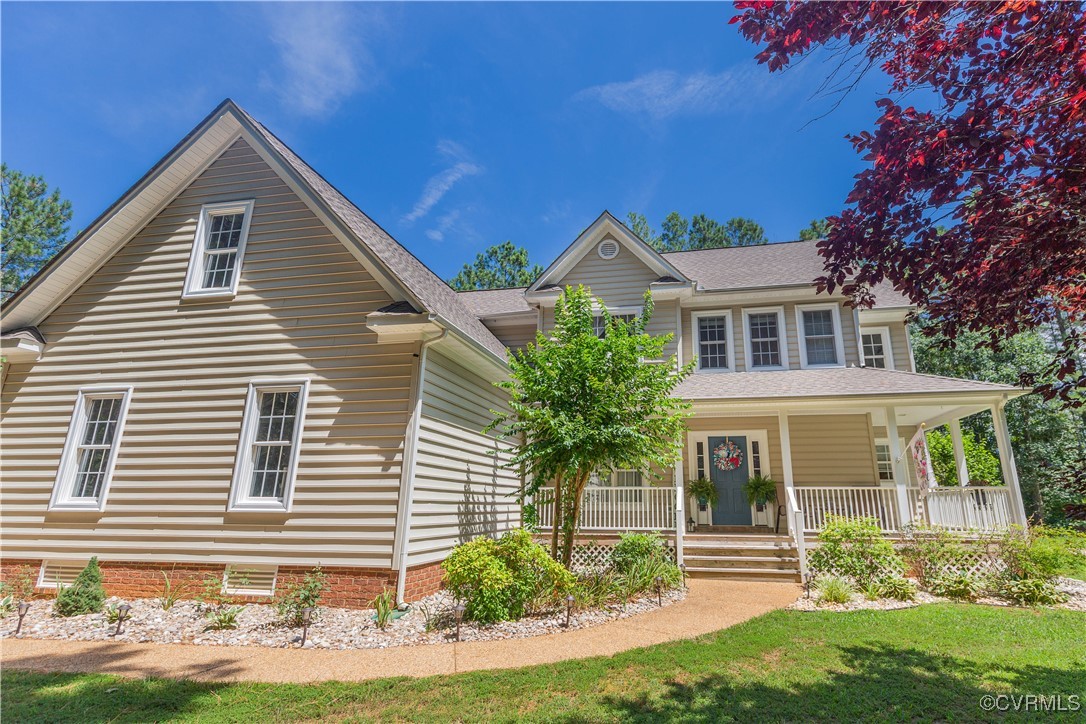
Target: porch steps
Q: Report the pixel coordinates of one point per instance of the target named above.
(749, 556)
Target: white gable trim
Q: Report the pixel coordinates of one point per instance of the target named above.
(114, 228)
(586, 244)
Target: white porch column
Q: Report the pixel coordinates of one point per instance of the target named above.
(680, 511)
(960, 464)
(1006, 461)
(901, 470)
(786, 469)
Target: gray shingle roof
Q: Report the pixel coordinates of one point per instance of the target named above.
(430, 290)
(834, 382)
(492, 302)
(765, 265)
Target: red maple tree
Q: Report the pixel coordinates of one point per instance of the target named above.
(974, 203)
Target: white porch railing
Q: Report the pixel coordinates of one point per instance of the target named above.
(851, 502)
(620, 508)
(978, 508)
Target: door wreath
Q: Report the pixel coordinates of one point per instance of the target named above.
(727, 456)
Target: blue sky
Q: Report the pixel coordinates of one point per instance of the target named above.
(455, 126)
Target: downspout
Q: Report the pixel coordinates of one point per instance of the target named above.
(407, 476)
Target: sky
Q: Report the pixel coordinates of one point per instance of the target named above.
(454, 126)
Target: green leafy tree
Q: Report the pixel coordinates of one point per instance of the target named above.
(817, 229)
(674, 233)
(1049, 442)
(701, 232)
(982, 463)
(501, 266)
(581, 403)
(640, 226)
(33, 226)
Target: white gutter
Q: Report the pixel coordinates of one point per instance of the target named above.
(407, 475)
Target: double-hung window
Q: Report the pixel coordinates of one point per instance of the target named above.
(271, 432)
(820, 342)
(626, 315)
(765, 332)
(884, 461)
(713, 341)
(218, 249)
(876, 345)
(90, 451)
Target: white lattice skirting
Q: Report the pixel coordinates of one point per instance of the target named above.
(594, 557)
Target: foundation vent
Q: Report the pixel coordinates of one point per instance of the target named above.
(249, 580)
(62, 572)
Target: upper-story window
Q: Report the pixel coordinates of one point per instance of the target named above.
(218, 249)
(876, 345)
(820, 335)
(765, 332)
(714, 348)
(599, 322)
(90, 452)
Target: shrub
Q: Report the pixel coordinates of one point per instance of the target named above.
(635, 548)
(297, 597)
(597, 589)
(897, 588)
(933, 553)
(1032, 592)
(857, 549)
(958, 586)
(498, 580)
(872, 590)
(1073, 543)
(833, 589)
(640, 576)
(1040, 554)
(223, 617)
(85, 595)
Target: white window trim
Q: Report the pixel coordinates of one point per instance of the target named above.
(885, 441)
(597, 311)
(62, 487)
(729, 338)
(243, 466)
(887, 345)
(801, 337)
(195, 275)
(782, 339)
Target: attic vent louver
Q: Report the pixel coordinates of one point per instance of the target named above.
(249, 580)
(608, 249)
(59, 572)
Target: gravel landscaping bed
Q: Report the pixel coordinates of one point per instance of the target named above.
(1075, 589)
(337, 628)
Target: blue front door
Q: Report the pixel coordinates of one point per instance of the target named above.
(729, 471)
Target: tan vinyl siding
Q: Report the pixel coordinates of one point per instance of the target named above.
(620, 282)
(832, 449)
(461, 490)
(513, 336)
(299, 312)
(899, 344)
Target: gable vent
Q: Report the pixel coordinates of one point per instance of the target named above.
(249, 580)
(608, 249)
(62, 572)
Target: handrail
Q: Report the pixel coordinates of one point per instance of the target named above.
(795, 524)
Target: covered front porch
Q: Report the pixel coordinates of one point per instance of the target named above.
(845, 455)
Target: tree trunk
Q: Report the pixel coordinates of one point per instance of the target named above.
(557, 518)
(570, 528)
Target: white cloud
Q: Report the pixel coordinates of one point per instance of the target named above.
(322, 55)
(445, 222)
(440, 183)
(663, 94)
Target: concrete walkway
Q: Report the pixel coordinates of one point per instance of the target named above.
(710, 606)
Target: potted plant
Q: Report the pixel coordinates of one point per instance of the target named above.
(702, 490)
(761, 490)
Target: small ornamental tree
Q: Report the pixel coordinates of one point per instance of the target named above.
(582, 402)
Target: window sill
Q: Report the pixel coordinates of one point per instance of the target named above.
(711, 370)
(767, 369)
(73, 507)
(215, 294)
(254, 507)
(822, 367)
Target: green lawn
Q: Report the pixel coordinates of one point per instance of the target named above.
(927, 663)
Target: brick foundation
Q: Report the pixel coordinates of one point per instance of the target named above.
(347, 587)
